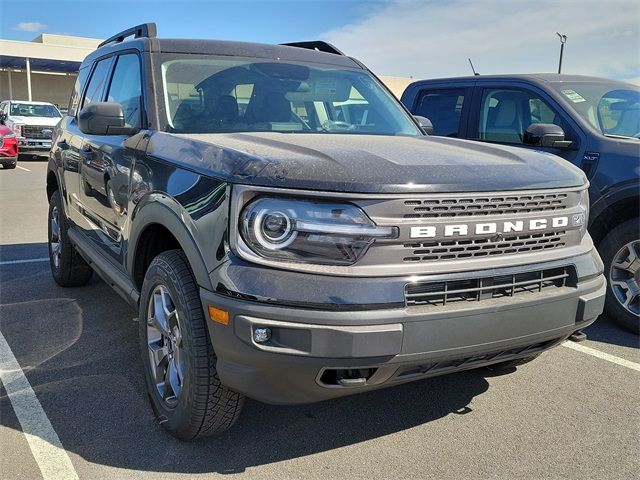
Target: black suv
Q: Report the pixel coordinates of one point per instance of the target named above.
(593, 123)
(288, 232)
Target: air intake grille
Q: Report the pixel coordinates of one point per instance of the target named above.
(30, 131)
(483, 247)
(486, 205)
(486, 288)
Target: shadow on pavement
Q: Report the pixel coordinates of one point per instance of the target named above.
(605, 330)
(79, 350)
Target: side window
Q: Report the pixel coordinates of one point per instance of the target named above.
(74, 101)
(126, 88)
(444, 109)
(505, 114)
(95, 90)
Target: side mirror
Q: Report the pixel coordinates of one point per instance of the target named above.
(425, 123)
(3, 117)
(103, 118)
(545, 135)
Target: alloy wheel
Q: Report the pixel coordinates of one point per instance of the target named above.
(164, 340)
(55, 239)
(624, 277)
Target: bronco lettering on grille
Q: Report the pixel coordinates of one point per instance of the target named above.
(493, 228)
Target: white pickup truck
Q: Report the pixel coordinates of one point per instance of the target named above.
(32, 122)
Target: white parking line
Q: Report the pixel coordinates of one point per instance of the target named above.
(604, 356)
(28, 260)
(51, 457)
(22, 168)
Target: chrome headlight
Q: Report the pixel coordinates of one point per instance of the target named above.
(309, 231)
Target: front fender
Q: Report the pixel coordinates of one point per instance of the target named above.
(160, 209)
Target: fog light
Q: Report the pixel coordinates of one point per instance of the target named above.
(261, 335)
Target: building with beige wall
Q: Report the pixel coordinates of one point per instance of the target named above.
(43, 69)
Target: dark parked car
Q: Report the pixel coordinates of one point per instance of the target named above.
(591, 122)
(288, 232)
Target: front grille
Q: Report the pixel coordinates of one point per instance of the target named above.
(440, 293)
(486, 205)
(32, 131)
(483, 247)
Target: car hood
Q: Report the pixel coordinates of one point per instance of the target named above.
(364, 163)
(44, 121)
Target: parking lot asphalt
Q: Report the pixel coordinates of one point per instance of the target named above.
(569, 414)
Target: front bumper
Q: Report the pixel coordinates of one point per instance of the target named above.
(310, 347)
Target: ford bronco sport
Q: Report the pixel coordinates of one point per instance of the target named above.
(288, 231)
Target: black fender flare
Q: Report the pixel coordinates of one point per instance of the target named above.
(159, 209)
(623, 192)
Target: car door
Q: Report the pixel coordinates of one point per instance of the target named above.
(446, 106)
(70, 141)
(106, 170)
(502, 113)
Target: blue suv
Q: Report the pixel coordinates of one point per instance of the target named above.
(593, 123)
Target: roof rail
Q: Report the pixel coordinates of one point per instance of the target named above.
(145, 30)
(318, 45)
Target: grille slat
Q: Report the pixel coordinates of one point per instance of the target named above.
(482, 206)
(35, 131)
(434, 251)
(441, 293)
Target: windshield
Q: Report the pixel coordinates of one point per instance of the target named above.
(31, 110)
(613, 110)
(211, 95)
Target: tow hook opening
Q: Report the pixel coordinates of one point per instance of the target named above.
(347, 377)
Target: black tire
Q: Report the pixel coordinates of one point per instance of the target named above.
(68, 267)
(510, 364)
(610, 247)
(9, 165)
(203, 405)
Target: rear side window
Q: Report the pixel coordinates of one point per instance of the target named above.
(444, 109)
(126, 88)
(95, 90)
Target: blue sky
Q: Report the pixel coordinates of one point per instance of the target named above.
(419, 38)
(262, 21)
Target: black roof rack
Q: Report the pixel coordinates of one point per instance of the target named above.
(145, 30)
(318, 45)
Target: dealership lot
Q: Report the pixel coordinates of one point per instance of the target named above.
(570, 414)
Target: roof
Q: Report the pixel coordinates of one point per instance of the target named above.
(229, 48)
(530, 77)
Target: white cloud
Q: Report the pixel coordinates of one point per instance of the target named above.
(30, 27)
(429, 38)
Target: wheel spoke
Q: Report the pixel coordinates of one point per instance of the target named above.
(172, 382)
(158, 357)
(159, 316)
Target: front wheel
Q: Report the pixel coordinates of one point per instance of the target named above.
(179, 362)
(9, 165)
(620, 252)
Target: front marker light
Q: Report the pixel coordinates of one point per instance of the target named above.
(584, 206)
(309, 231)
